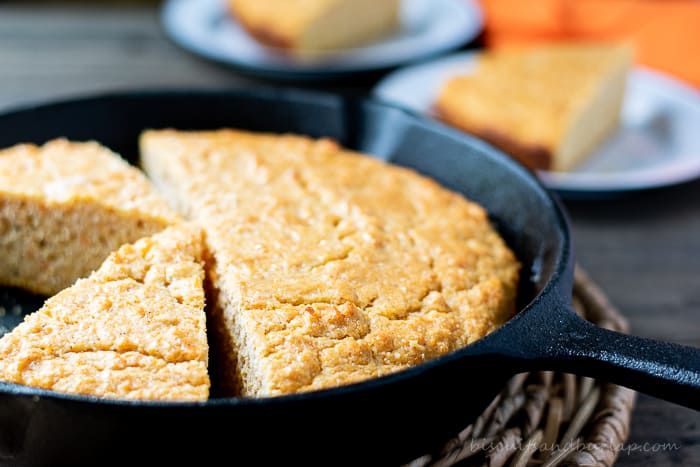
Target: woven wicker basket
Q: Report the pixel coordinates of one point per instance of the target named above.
(548, 419)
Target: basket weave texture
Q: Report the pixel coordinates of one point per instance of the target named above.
(549, 419)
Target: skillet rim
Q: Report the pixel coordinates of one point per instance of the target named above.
(563, 257)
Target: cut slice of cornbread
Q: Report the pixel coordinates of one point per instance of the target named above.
(329, 267)
(134, 329)
(549, 107)
(316, 25)
(64, 207)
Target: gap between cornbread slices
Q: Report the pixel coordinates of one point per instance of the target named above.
(134, 329)
(329, 267)
(64, 207)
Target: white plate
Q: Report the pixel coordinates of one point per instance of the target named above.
(658, 143)
(428, 27)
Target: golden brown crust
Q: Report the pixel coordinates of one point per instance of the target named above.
(534, 157)
(63, 172)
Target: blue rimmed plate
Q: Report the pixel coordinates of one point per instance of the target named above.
(428, 28)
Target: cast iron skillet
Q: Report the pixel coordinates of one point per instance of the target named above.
(383, 421)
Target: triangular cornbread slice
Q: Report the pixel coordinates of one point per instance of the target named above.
(64, 207)
(549, 107)
(134, 329)
(330, 267)
(305, 26)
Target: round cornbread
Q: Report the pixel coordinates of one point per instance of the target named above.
(329, 267)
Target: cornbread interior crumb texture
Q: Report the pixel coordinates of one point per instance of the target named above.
(64, 207)
(135, 329)
(548, 106)
(329, 267)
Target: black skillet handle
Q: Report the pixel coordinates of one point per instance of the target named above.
(661, 369)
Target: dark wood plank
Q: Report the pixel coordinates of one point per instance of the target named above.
(54, 50)
(662, 434)
(644, 250)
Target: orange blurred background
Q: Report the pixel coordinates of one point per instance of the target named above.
(665, 33)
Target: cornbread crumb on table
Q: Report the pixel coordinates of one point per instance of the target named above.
(549, 107)
(64, 207)
(329, 267)
(135, 329)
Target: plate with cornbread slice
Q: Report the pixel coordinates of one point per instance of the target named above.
(590, 124)
(317, 39)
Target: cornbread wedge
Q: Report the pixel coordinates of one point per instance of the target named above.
(64, 207)
(316, 25)
(135, 329)
(548, 107)
(329, 267)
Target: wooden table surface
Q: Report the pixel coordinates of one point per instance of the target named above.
(644, 250)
